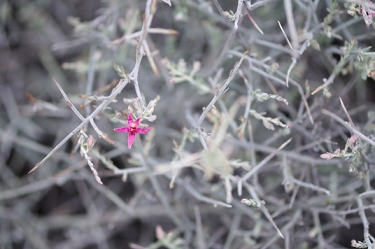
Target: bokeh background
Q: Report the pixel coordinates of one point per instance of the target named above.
(60, 205)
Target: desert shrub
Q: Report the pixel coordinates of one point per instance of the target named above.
(187, 124)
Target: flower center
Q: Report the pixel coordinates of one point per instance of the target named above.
(133, 127)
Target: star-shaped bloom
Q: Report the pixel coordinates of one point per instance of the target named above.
(133, 129)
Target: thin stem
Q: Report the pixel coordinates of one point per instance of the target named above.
(348, 126)
(201, 244)
(92, 122)
(113, 95)
(263, 208)
(233, 231)
(150, 10)
(160, 193)
(309, 185)
(264, 161)
(238, 14)
(366, 224)
(222, 89)
(200, 197)
(112, 196)
(318, 227)
(90, 75)
(42, 184)
(291, 23)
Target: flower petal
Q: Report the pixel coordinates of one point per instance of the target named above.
(131, 138)
(137, 122)
(122, 129)
(130, 118)
(142, 131)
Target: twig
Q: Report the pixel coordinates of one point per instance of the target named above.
(256, 5)
(140, 51)
(159, 192)
(26, 189)
(280, 48)
(233, 230)
(255, 24)
(116, 91)
(200, 197)
(294, 62)
(318, 228)
(366, 224)
(90, 75)
(265, 74)
(201, 244)
(263, 208)
(84, 152)
(223, 52)
(221, 11)
(264, 161)
(138, 33)
(307, 107)
(348, 126)
(222, 88)
(68, 101)
(112, 196)
(346, 112)
(238, 14)
(286, 37)
(291, 23)
(34, 239)
(309, 185)
(367, 194)
(40, 185)
(290, 154)
(92, 122)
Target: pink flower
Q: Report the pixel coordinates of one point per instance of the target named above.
(133, 129)
(371, 13)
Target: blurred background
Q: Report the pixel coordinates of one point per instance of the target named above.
(80, 42)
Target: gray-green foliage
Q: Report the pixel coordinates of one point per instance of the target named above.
(261, 117)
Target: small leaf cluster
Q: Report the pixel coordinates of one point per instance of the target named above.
(180, 74)
(261, 96)
(358, 244)
(136, 107)
(365, 63)
(354, 154)
(169, 240)
(267, 121)
(253, 203)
